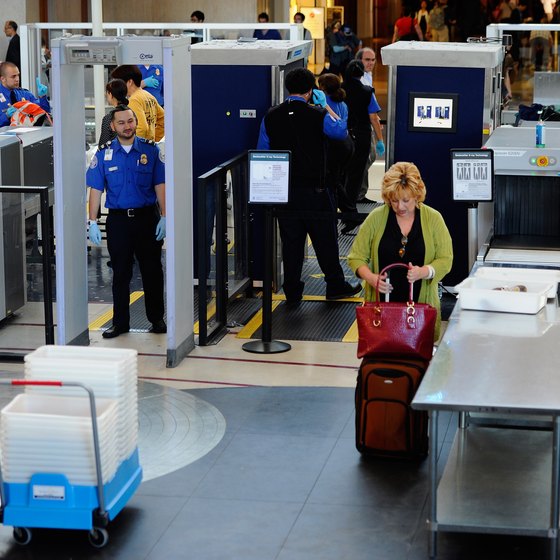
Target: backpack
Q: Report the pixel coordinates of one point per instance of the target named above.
(437, 18)
(29, 114)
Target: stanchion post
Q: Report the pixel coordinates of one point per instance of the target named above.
(266, 345)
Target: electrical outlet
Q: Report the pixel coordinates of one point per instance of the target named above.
(247, 113)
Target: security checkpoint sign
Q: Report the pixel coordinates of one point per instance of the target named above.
(472, 175)
(269, 177)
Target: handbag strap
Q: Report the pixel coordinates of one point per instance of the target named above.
(386, 269)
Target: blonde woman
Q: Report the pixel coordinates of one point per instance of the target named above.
(403, 230)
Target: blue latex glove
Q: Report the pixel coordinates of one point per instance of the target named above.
(380, 148)
(152, 82)
(41, 88)
(319, 98)
(94, 233)
(10, 111)
(160, 229)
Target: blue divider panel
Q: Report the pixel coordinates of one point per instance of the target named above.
(430, 150)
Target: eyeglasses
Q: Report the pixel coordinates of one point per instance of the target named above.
(402, 250)
(369, 59)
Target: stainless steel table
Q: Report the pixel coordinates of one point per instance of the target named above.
(496, 480)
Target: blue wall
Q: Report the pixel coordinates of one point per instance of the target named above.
(430, 150)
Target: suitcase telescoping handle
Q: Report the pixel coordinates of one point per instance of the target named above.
(19, 382)
(386, 269)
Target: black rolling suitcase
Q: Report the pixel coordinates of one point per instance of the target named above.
(386, 425)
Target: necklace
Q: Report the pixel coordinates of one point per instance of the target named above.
(402, 250)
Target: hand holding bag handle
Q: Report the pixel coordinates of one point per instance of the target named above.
(396, 328)
(410, 304)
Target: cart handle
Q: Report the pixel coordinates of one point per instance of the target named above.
(97, 451)
(24, 382)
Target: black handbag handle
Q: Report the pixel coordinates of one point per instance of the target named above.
(386, 269)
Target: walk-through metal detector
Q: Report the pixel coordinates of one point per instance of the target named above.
(69, 56)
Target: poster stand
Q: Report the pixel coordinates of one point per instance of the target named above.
(269, 178)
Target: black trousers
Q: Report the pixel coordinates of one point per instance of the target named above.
(310, 213)
(128, 238)
(356, 170)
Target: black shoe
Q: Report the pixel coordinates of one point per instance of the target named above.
(348, 227)
(293, 303)
(349, 290)
(159, 327)
(114, 331)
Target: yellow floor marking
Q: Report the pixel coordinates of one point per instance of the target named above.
(210, 312)
(256, 321)
(96, 324)
(352, 333)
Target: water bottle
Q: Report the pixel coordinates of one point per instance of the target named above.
(540, 132)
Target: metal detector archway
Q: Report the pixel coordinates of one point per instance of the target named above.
(69, 56)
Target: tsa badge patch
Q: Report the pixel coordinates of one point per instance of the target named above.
(143, 159)
(93, 162)
(161, 156)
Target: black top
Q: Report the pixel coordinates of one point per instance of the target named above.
(358, 97)
(298, 127)
(414, 252)
(13, 52)
(107, 133)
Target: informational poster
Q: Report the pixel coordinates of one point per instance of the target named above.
(314, 21)
(269, 177)
(432, 112)
(472, 175)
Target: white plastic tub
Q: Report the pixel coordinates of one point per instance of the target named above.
(521, 275)
(44, 433)
(482, 294)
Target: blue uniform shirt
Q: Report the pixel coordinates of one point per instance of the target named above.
(128, 178)
(339, 107)
(20, 94)
(156, 71)
(373, 106)
(336, 129)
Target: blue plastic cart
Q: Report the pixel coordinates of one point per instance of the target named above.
(49, 501)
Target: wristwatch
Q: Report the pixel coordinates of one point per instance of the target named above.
(89, 222)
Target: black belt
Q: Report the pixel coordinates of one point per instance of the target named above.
(133, 212)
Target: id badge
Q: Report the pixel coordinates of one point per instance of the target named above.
(108, 154)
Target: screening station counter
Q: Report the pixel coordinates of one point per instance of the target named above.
(497, 479)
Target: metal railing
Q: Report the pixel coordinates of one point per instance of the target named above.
(223, 243)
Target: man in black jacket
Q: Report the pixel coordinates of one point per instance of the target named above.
(13, 52)
(303, 129)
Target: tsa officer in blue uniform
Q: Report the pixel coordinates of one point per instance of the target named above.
(11, 93)
(132, 172)
(152, 80)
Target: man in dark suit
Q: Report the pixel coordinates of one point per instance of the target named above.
(13, 52)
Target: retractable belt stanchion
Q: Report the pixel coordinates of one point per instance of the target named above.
(268, 183)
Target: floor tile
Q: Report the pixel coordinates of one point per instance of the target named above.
(208, 529)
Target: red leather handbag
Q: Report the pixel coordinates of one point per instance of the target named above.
(396, 328)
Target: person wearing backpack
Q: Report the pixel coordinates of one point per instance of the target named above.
(437, 28)
(406, 27)
(11, 93)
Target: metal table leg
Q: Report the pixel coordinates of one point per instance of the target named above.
(432, 520)
(555, 487)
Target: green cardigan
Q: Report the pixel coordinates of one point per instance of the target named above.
(439, 251)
